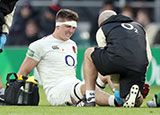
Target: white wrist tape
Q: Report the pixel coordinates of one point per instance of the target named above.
(70, 23)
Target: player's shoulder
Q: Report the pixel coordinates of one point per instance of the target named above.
(41, 42)
(71, 41)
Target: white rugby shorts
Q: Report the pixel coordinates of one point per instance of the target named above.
(60, 94)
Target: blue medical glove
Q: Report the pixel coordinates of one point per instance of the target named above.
(117, 97)
(2, 41)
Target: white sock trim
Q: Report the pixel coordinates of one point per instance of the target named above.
(111, 100)
(90, 95)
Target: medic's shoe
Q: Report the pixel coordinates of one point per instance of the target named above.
(130, 101)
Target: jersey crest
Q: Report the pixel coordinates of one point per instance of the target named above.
(74, 49)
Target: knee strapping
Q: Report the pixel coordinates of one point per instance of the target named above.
(76, 93)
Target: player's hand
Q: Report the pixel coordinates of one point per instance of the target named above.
(2, 41)
(117, 97)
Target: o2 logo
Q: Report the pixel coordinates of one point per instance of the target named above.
(70, 61)
(129, 27)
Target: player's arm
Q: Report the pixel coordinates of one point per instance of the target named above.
(33, 56)
(27, 66)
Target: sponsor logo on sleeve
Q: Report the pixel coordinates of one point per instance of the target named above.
(30, 52)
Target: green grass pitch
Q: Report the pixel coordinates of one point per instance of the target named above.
(45, 109)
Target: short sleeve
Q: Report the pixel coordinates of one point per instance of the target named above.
(35, 51)
(100, 37)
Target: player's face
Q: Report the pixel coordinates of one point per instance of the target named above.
(66, 31)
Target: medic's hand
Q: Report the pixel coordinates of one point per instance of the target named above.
(2, 41)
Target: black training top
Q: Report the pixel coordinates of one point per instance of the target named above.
(126, 42)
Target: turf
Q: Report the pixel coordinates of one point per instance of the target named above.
(45, 109)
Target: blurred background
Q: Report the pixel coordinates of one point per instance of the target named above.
(34, 19)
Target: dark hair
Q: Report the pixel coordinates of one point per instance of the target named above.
(67, 14)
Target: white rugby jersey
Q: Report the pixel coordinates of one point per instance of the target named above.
(57, 60)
